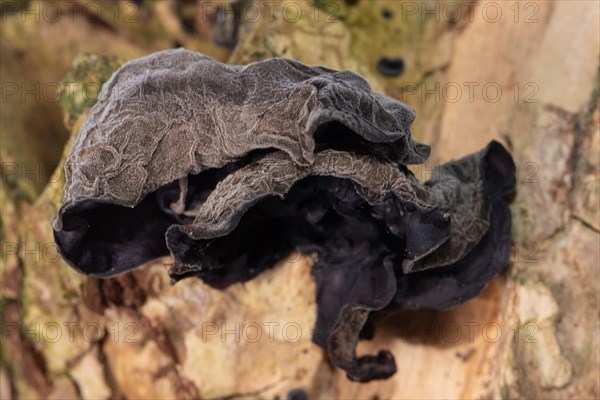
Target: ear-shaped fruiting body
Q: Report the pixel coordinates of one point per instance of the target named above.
(466, 276)
(176, 112)
(229, 168)
(367, 220)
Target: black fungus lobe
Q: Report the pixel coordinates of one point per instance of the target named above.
(232, 168)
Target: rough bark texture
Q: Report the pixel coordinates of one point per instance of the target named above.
(135, 336)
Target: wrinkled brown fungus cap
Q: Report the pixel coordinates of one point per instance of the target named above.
(230, 168)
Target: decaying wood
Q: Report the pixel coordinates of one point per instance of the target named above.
(135, 336)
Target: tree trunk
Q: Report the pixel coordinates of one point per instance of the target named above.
(524, 73)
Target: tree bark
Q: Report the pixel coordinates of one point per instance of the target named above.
(527, 76)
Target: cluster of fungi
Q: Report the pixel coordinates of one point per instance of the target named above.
(231, 168)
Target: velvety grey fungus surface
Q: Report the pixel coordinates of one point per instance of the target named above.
(230, 168)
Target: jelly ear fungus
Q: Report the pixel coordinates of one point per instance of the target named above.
(230, 168)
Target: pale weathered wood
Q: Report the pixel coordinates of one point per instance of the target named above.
(532, 333)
